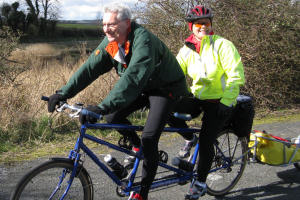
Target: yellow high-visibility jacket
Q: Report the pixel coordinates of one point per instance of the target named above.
(217, 70)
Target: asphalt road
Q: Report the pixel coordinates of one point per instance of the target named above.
(259, 181)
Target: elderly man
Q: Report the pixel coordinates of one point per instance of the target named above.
(149, 76)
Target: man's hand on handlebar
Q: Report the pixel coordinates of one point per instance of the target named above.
(89, 114)
(54, 100)
(88, 118)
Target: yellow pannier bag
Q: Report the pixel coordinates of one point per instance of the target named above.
(273, 150)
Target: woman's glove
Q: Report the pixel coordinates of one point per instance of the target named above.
(90, 119)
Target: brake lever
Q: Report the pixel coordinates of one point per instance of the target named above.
(75, 114)
(61, 107)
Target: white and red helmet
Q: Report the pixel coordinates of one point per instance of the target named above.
(199, 12)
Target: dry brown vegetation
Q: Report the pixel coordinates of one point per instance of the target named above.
(21, 105)
(47, 75)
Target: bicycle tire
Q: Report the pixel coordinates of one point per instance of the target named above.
(223, 180)
(40, 182)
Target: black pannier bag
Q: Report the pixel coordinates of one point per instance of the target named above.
(243, 115)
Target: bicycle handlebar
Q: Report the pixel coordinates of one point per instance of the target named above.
(91, 114)
(78, 109)
(44, 98)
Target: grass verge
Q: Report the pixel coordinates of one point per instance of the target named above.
(266, 117)
(65, 142)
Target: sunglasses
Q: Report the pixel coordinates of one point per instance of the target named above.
(199, 24)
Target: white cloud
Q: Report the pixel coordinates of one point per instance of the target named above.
(81, 9)
(85, 9)
(75, 12)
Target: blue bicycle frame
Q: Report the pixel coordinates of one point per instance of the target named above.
(180, 175)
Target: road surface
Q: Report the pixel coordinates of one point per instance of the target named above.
(259, 181)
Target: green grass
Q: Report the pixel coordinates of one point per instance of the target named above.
(266, 117)
(78, 26)
(59, 147)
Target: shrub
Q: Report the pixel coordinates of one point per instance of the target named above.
(266, 34)
(9, 68)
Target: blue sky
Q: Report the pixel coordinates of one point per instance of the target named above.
(80, 9)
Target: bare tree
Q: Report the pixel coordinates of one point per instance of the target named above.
(48, 8)
(33, 9)
(41, 14)
(5, 10)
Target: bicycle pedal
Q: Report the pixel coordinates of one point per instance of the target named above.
(129, 166)
(163, 156)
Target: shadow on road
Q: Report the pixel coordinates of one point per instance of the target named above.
(285, 189)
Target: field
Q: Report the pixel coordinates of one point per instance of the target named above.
(71, 39)
(65, 32)
(78, 26)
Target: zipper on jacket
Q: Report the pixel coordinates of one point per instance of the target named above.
(200, 55)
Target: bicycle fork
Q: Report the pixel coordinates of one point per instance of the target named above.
(64, 173)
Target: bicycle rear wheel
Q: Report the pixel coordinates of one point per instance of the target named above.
(41, 182)
(229, 163)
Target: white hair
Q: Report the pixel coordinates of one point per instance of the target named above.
(123, 11)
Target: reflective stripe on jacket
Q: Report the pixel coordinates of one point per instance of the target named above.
(217, 70)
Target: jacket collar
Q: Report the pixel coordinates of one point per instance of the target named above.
(193, 43)
(117, 51)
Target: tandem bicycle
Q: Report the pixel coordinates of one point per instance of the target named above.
(68, 178)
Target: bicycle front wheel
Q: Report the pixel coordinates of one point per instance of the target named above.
(228, 164)
(50, 180)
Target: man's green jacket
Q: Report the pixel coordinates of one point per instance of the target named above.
(144, 64)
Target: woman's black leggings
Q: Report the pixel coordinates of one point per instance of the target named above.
(211, 126)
